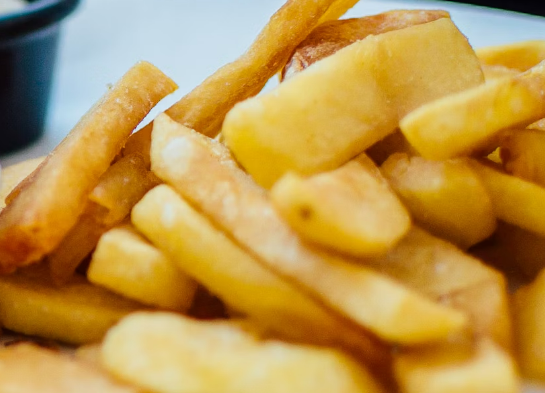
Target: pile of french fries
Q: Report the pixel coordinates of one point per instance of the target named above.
(374, 223)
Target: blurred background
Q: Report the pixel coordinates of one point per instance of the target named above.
(525, 6)
(190, 39)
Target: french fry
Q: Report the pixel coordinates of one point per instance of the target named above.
(110, 202)
(14, 174)
(514, 200)
(204, 252)
(76, 313)
(520, 55)
(202, 171)
(521, 152)
(492, 72)
(443, 272)
(139, 142)
(444, 197)
(26, 368)
(528, 311)
(205, 107)
(356, 98)
(219, 356)
(43, 212)
(329, 37)
(470, 121)
(393, 143)
(127, 264)
(458, 367)
(351, 209)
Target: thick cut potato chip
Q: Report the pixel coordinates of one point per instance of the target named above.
(470, 121)
(208, 255)
(521, 153)
(127, 264)
(76, 313)
(43, 211)
(351, 209)
(203, 171)
(204, 108)
(521, 55)
(26, 368)
(329, 37)
(458, 367)
(444, 197)
(514, 200)
(321, 118)
(110, 202)
(212, 357)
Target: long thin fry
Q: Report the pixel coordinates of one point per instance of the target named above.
(45, 209)
(204, 108)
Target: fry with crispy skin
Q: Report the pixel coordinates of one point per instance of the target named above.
(45, 209)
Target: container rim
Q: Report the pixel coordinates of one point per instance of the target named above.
(35, 15)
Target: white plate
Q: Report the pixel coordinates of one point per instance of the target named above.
(190, 39)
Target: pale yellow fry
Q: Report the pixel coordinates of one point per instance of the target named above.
(167, 353)
(127, 264)
(43, 212)
(343, 104)
(514, 200)
(351, 209)
(467, 122)
(206, 253)
(520, 56)
(459, 367)
(205, 107)
(26, 368)
(76, 313)
(202, 170)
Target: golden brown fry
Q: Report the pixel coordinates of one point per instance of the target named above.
(76, 313)
(206, 253)
(110, 202)
(329, 37)
(204, 108)
(26, 368)
(43, 212)
(14, 175)
(203, 171)
(165, 352)
(139, 142)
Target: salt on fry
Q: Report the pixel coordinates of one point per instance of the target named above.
(43, 211)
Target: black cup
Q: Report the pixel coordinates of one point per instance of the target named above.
(28, 49)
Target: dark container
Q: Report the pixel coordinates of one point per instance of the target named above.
(28, 49)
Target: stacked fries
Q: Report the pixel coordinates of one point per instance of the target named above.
(357, 225)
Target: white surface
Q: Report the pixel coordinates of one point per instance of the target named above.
(190, 39)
